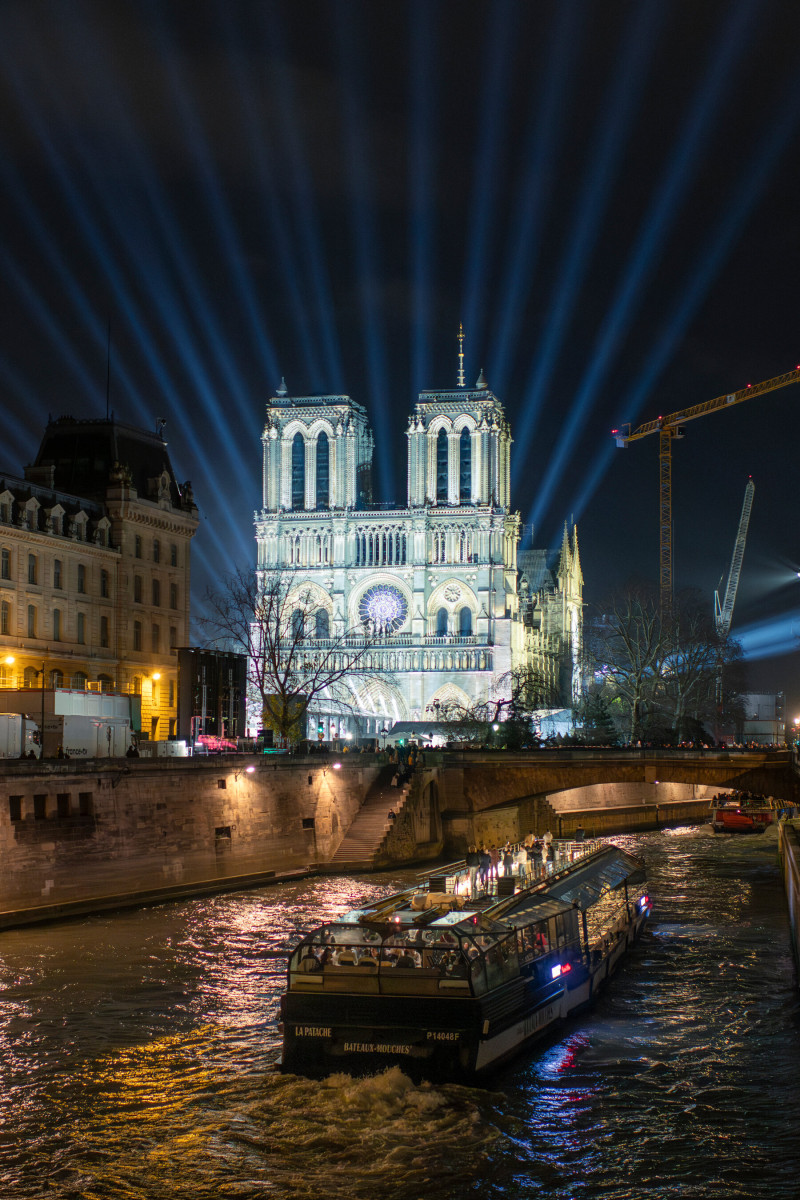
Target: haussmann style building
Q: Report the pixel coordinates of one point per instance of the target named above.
(95, 569)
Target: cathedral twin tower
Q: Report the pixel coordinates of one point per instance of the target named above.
(439, 579)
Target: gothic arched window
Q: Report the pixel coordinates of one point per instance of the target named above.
(322, 628)
(441, 466)
(297, 624)
(323, 471)
(441, 622)
(298, 471)
(465, 621)
(465, 465)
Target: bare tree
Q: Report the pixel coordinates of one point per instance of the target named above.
(299, 658)
(628, 646)
(665, 678)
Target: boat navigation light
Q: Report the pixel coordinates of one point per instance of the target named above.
(644, 901)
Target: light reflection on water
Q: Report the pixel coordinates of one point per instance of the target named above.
(138, 1050)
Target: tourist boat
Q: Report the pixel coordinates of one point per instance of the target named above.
(740, 813)
(451, 987)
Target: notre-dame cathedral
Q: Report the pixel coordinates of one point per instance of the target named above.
(442, 581)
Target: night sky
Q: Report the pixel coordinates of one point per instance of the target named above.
(605, 194)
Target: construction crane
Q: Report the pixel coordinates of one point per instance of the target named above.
(668, 429)
(724, 612)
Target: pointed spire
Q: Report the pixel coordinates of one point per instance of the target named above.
(460, 355)
(282, 390)
(565, 562)
(482, 385)
(576, 558)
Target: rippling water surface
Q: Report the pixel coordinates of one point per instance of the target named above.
(137, 1056)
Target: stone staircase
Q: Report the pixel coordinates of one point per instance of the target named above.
(370, 825)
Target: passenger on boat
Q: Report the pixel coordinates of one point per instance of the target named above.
(508, 861)
(521, 859)
(309, 961)
(473, 866)
(494, 857)
(486, 865)
(406, 959)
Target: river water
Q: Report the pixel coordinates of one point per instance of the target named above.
(137, 1056)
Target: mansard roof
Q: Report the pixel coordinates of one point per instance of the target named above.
(83, 453)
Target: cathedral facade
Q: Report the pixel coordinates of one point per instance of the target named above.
(451, 607)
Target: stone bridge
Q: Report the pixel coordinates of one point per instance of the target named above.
(496, 795)
(475, 782)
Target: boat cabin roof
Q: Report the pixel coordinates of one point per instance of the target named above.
(581, 887)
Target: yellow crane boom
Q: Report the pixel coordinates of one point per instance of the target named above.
(670, 427)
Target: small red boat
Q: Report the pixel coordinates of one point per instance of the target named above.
(741, 812)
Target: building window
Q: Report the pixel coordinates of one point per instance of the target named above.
(137, 589)
(137, 635)
(173, 638)
(5, 565)
(15, 808)
(323, 471)
(56, 679)
(80, 531)
(298, 471)
(136, 685)
(173, 595)
(173, 555)
(106, 683)
(441, 466)
(156, 592)
(31, 568)
(81, 629)
(31, 621)
(154, 638)
(40, 807)
(156, 550)
(62, 804)
(57, 574)
(172, 693)
(104, 632)
(105, 584)
(5, 617)
(5, 512)
(297, 625)
(79, 681)
(441, 622)
(322, 626)
(465, 622)
(56, 625)
(137, 546)
(465, 465)
(81, 578)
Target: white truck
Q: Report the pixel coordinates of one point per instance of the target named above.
(86, 737)
(18, 736)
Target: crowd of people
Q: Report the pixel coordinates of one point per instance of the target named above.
(527, 861)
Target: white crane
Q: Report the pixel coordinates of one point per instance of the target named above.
(724, 612)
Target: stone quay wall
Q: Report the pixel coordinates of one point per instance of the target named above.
(789, 852)
(76, 834)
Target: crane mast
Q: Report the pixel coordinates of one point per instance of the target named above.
(723, 613)
(668, 429)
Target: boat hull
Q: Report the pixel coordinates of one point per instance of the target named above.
(458, 1038)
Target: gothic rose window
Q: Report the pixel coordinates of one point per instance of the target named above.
(384, 607)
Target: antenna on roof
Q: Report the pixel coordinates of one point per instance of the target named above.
(108, 365)
(460, 355)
